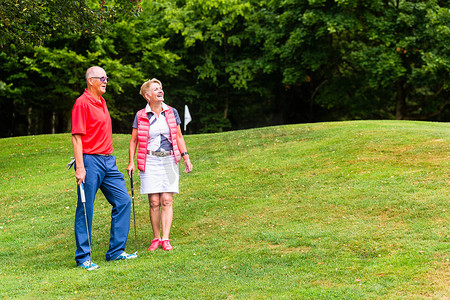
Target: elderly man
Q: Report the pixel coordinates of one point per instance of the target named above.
(96, 168)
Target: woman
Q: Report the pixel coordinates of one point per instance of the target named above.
(157, 132)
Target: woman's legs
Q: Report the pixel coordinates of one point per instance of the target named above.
(166, 214)
(161, 213)
(155, 214)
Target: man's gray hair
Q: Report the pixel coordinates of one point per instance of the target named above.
(90, 72)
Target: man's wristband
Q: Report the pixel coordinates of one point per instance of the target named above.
(184, 153)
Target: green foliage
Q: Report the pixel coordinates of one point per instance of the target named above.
(218, 56)
(338, 210)
(237, 64)
(390, 52)
(28, 23)
(378, 45)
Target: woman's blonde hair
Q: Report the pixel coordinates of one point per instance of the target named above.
(146, 86)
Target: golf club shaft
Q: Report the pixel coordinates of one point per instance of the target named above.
(134, 216)
(83, 200)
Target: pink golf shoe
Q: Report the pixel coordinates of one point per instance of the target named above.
(154, 245)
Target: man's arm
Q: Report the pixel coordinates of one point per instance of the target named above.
(80, 172)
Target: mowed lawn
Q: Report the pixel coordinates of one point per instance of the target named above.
(340, 210)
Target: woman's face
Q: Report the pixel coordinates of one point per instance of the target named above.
(155, 93)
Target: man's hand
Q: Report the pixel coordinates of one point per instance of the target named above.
(80, 172)
(80, 175)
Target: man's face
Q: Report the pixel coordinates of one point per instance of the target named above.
(99, 81)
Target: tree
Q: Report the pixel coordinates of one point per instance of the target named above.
(39, 85)
(237, 63)
(27, 23)
(218, 58)
(370, 58)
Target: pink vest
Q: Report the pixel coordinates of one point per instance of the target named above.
(143, 129)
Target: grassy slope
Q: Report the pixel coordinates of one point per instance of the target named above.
(334, 210)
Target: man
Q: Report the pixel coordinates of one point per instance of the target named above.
(97, 169)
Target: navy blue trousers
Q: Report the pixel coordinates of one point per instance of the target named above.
(102, 173)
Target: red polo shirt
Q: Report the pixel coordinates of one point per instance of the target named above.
(91, 119)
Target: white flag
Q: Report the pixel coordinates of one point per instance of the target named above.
(187, 116)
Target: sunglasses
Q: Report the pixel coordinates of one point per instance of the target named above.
(102, 79)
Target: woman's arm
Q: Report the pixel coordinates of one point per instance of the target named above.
(132, 151)
(182, 146)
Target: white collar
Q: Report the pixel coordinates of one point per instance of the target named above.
(149, 109)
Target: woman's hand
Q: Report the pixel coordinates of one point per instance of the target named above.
(130, 169)
(187, 165)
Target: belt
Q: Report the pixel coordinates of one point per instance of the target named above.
(160, 153)
(106, 155)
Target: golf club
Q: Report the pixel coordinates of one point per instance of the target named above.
(134, 216)
(83, 200)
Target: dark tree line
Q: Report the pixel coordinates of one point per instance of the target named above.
(236, 64)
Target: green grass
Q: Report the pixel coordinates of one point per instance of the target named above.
(345, 210)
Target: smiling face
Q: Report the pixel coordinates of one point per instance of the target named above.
(155, 93)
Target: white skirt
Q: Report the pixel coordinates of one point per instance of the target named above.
(161, 175)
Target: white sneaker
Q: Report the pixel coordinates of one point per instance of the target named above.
(89, 265)
(124, 255)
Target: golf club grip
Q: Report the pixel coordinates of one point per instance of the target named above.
(83, 196)
(131, 181)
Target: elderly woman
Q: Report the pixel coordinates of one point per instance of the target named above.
(157, 132)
